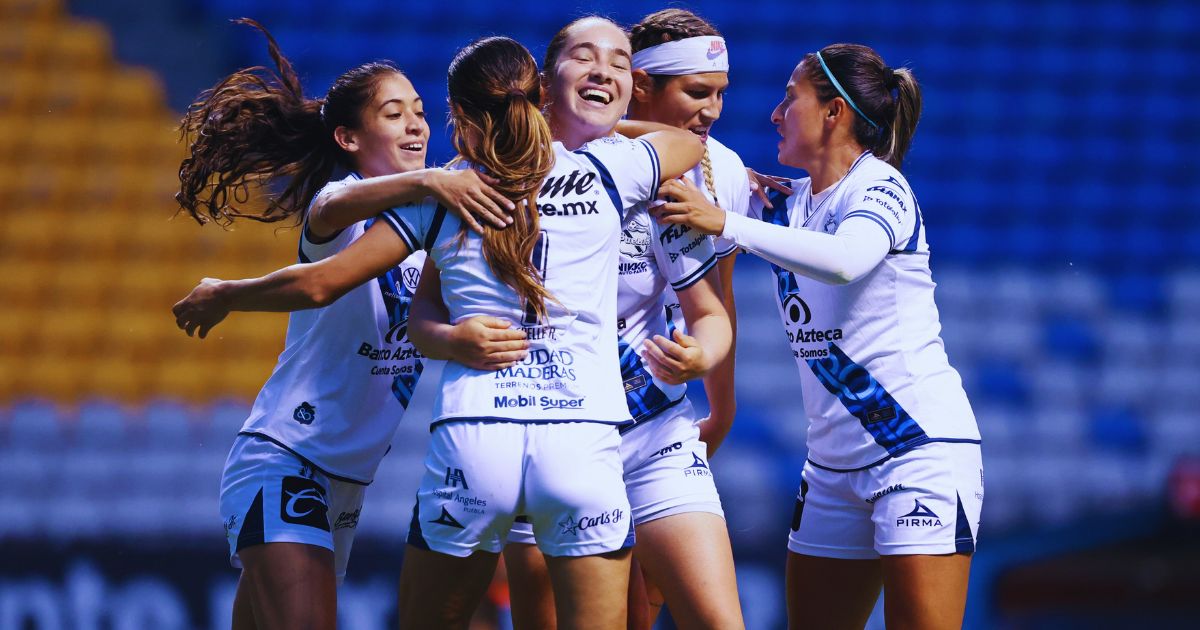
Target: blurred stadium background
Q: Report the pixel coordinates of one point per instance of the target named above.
(1055, 161)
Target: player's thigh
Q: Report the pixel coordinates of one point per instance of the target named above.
(831, 593)
(925, 529)
(289, 585)
(440, 591)
(833, 571)
(591, 592)
(277, 514)
(531, 596)
(688, 557)
(925, 592)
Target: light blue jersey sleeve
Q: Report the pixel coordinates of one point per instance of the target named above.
(412, 222)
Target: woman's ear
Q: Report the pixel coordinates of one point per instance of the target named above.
(345, 138)
(643, 86)
(835, 109)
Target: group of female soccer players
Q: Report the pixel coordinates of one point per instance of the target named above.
(587, 222)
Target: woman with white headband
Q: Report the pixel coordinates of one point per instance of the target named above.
(891, 493)
(667, 278)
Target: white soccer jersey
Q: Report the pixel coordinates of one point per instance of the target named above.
(876, 380)
(731, 183)
(347, 370)
(655, 259)
(571, 372)
(647, 303)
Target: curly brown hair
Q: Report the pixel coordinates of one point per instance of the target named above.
(255, 128)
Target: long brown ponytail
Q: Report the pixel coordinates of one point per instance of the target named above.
(889, 98)
(255, 127)
(495, 97)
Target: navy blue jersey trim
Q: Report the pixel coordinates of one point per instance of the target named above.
(916, 235)
(303, 459)
(606, 179)
(402, 230)
(435, 227)
(308, 235)
(897, 454)
(649, 419)
(695, 276)
(656, 165)
(727, 253)
(494, 419)
(877, 219)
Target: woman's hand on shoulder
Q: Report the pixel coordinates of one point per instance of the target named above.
(760, 183)
(469, 194)
(687, 205)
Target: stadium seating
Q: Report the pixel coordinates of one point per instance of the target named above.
(1060, 212)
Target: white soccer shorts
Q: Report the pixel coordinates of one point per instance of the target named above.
(269, 495)
(924, 501)
(564, 477)
(666, 470)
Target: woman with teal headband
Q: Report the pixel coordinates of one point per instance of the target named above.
(891, 493)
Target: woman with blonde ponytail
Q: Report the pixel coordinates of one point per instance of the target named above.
(538, 437)
(667, 280)
(893, 487)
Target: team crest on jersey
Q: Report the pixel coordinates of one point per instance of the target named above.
(831, 224)
(635, 236)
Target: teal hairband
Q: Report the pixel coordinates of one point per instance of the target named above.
(846, 96)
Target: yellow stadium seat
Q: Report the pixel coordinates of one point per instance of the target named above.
(21, 89)
(14, 138)
(118, 378)
(133, 92)
(52, 139)
(24, 11)
(86, 286)
(44, 374)
(74, 94)
(79, 45)
(31, 231)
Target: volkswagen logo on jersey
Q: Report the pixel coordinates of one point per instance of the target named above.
(302, 501)
(411, 277)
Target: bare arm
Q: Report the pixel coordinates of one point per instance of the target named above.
(719, 383)
(689, 357)
(465, 192)
(294, 288)
(482, 343)
(679, 151)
